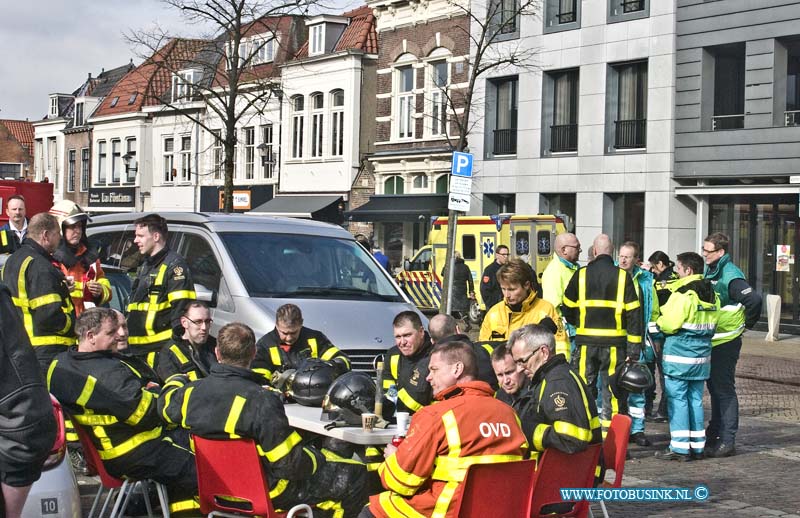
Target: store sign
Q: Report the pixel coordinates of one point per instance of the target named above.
(241, 200)
(114, 197)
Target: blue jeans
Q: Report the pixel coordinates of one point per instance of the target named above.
(722, 388)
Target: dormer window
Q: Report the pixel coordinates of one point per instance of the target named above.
(54, 106)
(263, 50)
(317, 40)
(183, 85)
(79, 114)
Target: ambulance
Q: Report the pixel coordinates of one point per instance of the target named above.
(477, 237)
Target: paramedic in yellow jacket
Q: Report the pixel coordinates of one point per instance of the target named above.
(521, 305)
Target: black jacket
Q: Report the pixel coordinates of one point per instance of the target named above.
(42, 299)
(462, 285)
(609, 312)
(558, 395)
(407, 376)
(27, 427)
(490, 288)
(166, 278)
(271, 357)
(179, 357)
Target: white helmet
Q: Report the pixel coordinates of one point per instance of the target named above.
(68, 213)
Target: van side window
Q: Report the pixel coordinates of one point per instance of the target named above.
(522, 243)
(543, 242)
(423, 262)
(468, 247)
(107, 245)
(130, 258)
(201, 260)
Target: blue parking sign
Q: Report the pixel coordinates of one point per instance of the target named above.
(462, 164)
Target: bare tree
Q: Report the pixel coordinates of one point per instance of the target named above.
(231, 67)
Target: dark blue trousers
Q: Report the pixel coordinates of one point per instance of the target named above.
(722, 388)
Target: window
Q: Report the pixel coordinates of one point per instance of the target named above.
(560, 15)
(622, 10)
(101, 162)
(249, 153)
(442, 186)
(114, 101)
(218, 162)
(263, 50)
(394, 185)
(729, 86)
(298, 106)
(186, 159)
(52, 162)
(169, 160)
(85, 169)
(267, 157)
(132, 166)
(317, 127)
(564, 123)
(71, 170)
(623, 217)
(183, 88)
(9, 171)
(504, 132)
(405, 102)
(631, 121)
(317, 40)
(54, 106)
(566, 11)
(337, 123)
(116, 160)
(420, 182)
(38, 166)
(79, 114)
(132, 98)
(468, 247)
(439, 80)
(505, 19)
(792, 112)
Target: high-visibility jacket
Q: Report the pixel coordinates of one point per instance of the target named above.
(8, 242)
(731, 322)
(601, 302)
(663, 285)
(231, 403)
(689, 319)
(502, 320)
(273, 356)
(555, 279)
(557, 411)
(39, 291)
(466, 426)
(404, 378)
(83, 266)
(163, 284)
(181, 357)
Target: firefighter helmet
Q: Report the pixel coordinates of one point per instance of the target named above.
(310, 382)
(632, 377)
(351, 395)
(68, 213)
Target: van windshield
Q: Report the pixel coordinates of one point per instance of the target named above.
(287, 266)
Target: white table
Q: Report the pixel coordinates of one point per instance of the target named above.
(309, 418)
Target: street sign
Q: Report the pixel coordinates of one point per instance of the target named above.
(456, 201)
(460, 185)
(462, 164)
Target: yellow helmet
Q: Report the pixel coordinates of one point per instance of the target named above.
(68, 213)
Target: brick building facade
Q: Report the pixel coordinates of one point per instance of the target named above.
(16, 149)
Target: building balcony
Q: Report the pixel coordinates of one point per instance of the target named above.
(505, 142)
(563, 138)
(630, 134)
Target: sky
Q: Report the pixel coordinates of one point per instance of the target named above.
(51, 46)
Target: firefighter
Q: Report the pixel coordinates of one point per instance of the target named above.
(405, 370)
(601, 302)
(117, 405)
(191, 350)
(40, 291)
(511, 378)
(689, 319)
(521, 305)
(231, 403)
(445, 328)
(76, 260)
(557, 411)
(8, 242)
(466, 425)
(286, 346)
(163, 285)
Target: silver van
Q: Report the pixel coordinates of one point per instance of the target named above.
(247, 266)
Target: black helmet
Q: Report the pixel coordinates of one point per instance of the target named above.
(352, 394)
(310, 382)
(633, 377)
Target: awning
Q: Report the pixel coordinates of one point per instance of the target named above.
(400, 207)
(732, 190)
(322, 208)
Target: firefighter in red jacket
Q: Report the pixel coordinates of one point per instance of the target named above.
(76, 260)
(424, 474)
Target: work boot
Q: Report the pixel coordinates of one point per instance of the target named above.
(657, 417)
(722, 450)
(77, 460)
(640, 439)
(671, 455)
(698, 455)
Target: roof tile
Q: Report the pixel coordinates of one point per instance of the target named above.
(22, 131)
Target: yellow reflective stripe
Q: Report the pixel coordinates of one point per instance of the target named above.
(50, 298)
(144, 403)
(94, 419)
(408, 401)
(279, 488)
(181, 294)
(283, 449)
(581, 298)
(397, 479)
(151, 311)
(443, 502)
(312, 343)
(330, 353)
(150, 338)
(185, 406)
(275, 355)
(330, 505)
(594, 422)
(264, 372)
(146, 306)
(634, 339)
(538, 436)
(313, 459)
(332, 457)
(595, 303)
(454, 469)
(621, 277)
(178, 354)
(397, 507)
(130, 445)
(612, 368)
(394, 362)
(582, 362)
(105, 284)
(594, 331)
(183, 505)
(4, 238)
(451, 433)
(489, 349)
(233, 416)
(564, 428)
(86, 391)
(387, 384)
(50, 370)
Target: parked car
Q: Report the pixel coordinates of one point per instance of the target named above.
(247, 266)
(55, 494)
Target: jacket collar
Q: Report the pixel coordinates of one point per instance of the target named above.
(714, 270)
(222, 370)
(158, 257)
(472, 388)
(571, 266)
(556, 360)
(38, 248)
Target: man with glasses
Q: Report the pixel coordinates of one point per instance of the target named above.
(490, 288)
(740, 309)
(558, 273)
(192, 351)
(557, 411)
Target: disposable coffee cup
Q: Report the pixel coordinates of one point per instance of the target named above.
(368, 421)
(403, 419)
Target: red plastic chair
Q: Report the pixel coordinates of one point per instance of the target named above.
(559, 470)
(615, 447)
(110, 482)
(231, 480)
(502, 489)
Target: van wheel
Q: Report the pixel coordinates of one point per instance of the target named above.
(475, 313)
